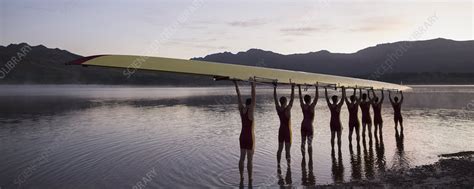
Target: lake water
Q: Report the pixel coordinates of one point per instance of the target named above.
(124, 137)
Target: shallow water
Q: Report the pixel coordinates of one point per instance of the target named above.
(118, 136)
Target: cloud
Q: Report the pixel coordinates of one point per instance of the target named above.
(190, 40)
(378, 24)
(367, 28)
(305, 30)
(248, 23)
(211, 47)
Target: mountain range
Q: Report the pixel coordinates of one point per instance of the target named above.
(430, 61)
(42, 65)
(436, 61)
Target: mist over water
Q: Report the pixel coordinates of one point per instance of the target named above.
(112, 136)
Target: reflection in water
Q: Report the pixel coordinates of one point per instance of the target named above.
(400, 161)
(308, 178)
(337, 168)
(368, 160)
(241, 184)
(109, 139)
(356, 163)
(380, 151)
(287, 180)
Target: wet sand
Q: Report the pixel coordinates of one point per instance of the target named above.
(451, 171)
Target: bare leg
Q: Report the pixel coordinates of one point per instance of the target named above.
(333, 134)
(375, 129)
(396, 123)
(351, 129)
(339, 140)
(380, 130)
(287, 152)
(376, 141)
(280, 149)
(376, 125)
(310, 147)
(250, 164)
(303, 141)
(241, 163)
(357, 134)
(401, 124)
(369, 128)
(363, 129)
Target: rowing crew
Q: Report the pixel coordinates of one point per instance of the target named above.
(283, 108)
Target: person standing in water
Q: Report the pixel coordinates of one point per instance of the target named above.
(247, 135)
(353, 107)
(284, 113)
(308, 118)
(366, 119)
(335, 124)
(377, 107)
(397, 108)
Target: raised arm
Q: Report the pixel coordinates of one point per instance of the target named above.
(401, 100)
(342, 98)
(345, 98)
(382, 98)
(252, 105)
(390, 97)
(368, 95)
(239, 98)
(301, 97)
(316, 96)
(277, 105)
(358, 98)
(292, 98)
(326, 94)
(254, 100)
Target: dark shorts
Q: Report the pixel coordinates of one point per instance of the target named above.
(246, 142)
(398, 118)
(354, 124)
(284, 135)
(306, 131)
(378, 120)
(366, 119)
(336, 126)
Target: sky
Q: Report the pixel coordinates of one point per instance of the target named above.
(195, 28)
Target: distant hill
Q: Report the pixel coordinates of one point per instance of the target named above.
(431, 61)
(437, 61)
(41, 65)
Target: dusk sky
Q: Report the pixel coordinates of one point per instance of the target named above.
(187, 28)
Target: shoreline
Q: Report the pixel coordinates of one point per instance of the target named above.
(451, 170)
